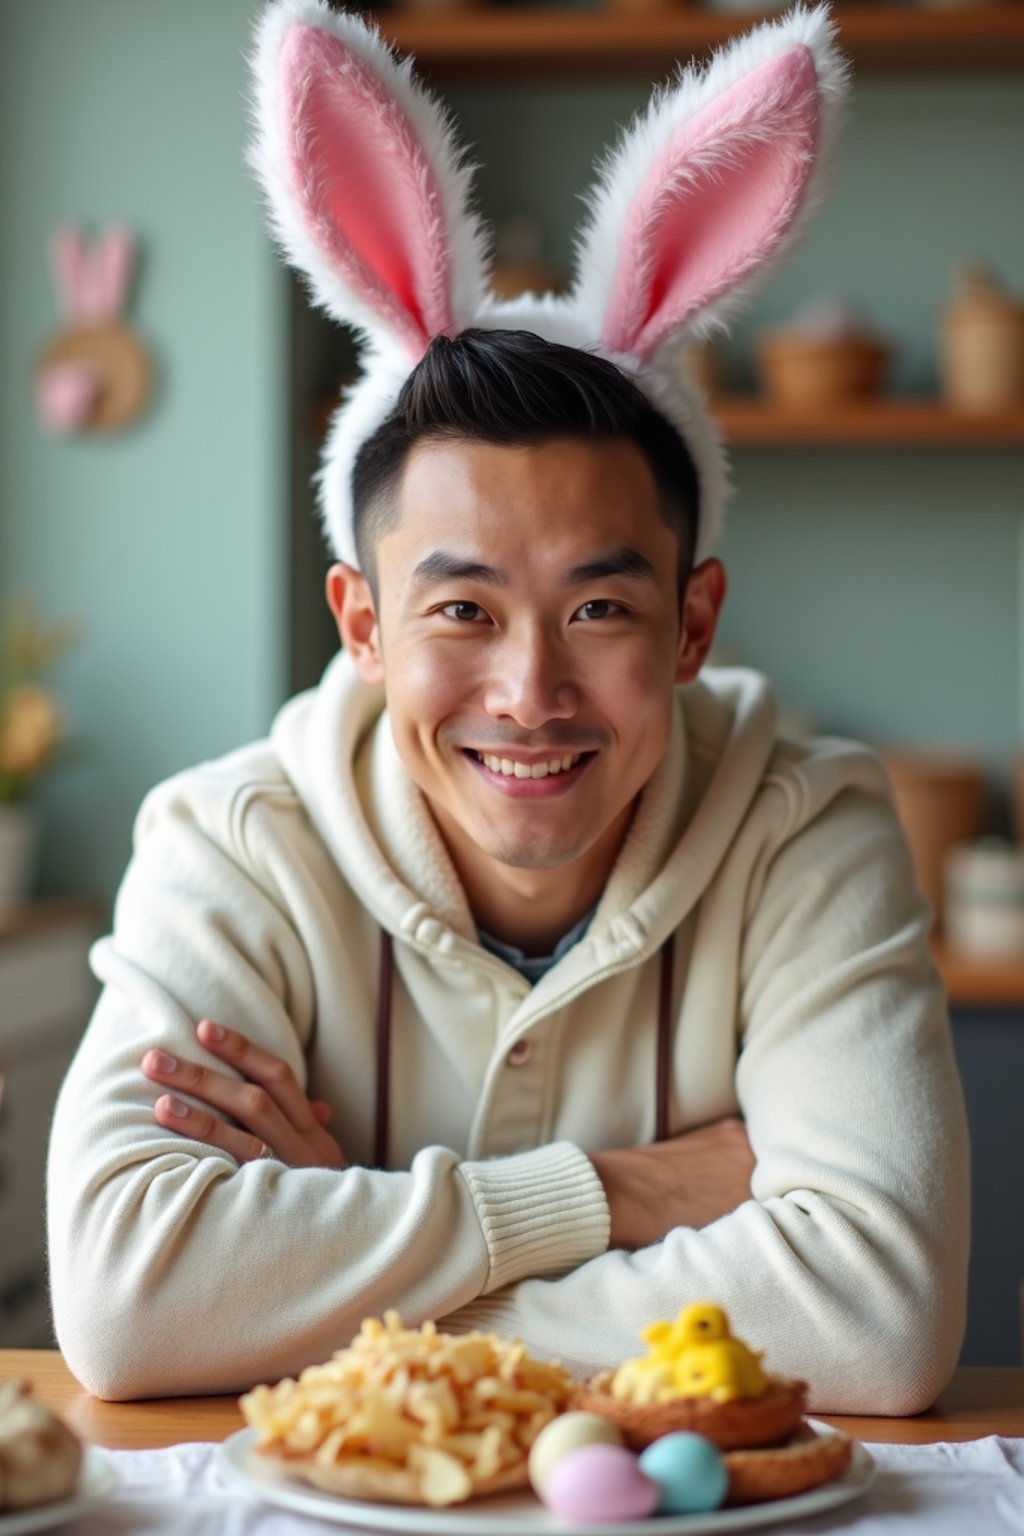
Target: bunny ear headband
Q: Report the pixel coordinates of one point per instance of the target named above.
(369, 197)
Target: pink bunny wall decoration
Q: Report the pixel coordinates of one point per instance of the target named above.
(94, 374)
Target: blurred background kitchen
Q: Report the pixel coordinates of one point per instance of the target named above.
(164, 387)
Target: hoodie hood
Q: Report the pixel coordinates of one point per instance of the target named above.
(336, 746)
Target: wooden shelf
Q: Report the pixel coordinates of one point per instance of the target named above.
(519, 43)
(981, 983)
(50, 912)
(894, 423)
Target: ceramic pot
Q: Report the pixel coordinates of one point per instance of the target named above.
(982, 346)
(17, 851)
(985, 899)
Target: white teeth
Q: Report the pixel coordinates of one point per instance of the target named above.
(511, 770)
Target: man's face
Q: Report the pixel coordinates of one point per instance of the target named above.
(528, 635)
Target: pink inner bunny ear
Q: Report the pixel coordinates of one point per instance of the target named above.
(110, 272)
(716, 202)
(67, 256)
(366, 190)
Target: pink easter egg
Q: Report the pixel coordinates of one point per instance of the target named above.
(598, 1484)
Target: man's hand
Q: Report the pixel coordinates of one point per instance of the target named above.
(275, 1117)
(688, 1181)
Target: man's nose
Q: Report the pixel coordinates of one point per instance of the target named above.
(532, 683)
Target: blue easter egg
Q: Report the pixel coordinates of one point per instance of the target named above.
(689, 1472)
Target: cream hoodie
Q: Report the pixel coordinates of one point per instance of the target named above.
(805, 1001)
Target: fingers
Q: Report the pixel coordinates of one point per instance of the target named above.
(199, 1125)
(247, 1103)
(260, 1067)
(266, 1102)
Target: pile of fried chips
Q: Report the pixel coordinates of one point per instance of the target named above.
(411, 1416)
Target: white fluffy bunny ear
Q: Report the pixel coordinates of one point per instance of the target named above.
(367, 189)
(709, 185)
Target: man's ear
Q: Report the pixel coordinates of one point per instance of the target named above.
(702, 603)
(351, 602)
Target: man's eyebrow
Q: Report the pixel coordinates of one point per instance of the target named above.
(442, 566)
(618, 562)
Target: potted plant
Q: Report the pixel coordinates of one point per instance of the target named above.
(32, 736)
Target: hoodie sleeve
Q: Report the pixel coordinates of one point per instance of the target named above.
(175, 1270)
(848, 1267)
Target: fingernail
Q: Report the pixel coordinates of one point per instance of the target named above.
(214, 1031)
(161, 1062)
(176, 1106)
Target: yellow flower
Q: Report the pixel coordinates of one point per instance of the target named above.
(30, 729)
(28, 647)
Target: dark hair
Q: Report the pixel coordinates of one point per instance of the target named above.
(514, 388)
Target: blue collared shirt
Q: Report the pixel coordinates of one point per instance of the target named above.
(533, 967)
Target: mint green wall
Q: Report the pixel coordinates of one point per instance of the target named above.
(168, 541)
(878, 588)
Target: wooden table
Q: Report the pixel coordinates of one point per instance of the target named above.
(979, 1401)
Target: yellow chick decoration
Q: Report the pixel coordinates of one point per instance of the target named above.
(696, 1356)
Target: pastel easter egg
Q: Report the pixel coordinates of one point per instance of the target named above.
(689, 1473)
(567, 1433)
(598, 1484)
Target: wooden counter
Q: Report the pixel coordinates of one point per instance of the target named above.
(979, 1401)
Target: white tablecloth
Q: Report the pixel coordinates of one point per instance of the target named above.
(944, 1490)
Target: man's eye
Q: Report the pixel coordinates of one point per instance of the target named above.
(465, 613)
(599, 608)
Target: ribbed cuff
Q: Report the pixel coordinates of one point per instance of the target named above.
(540, 1211)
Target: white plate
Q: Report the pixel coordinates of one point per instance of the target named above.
(96, 1479)
(519, 1514)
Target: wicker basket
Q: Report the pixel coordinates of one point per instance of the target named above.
(806, 373)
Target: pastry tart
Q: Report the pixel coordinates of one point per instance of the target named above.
(808, 1459)
(385, 1483)
(741, 1423)
(697, 1378)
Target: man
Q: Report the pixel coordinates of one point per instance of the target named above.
(524, 978)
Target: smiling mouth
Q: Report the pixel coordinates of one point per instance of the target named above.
(548, 768)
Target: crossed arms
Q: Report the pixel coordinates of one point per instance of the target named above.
(688, 1181)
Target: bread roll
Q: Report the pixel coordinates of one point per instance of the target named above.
(40, 1457)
